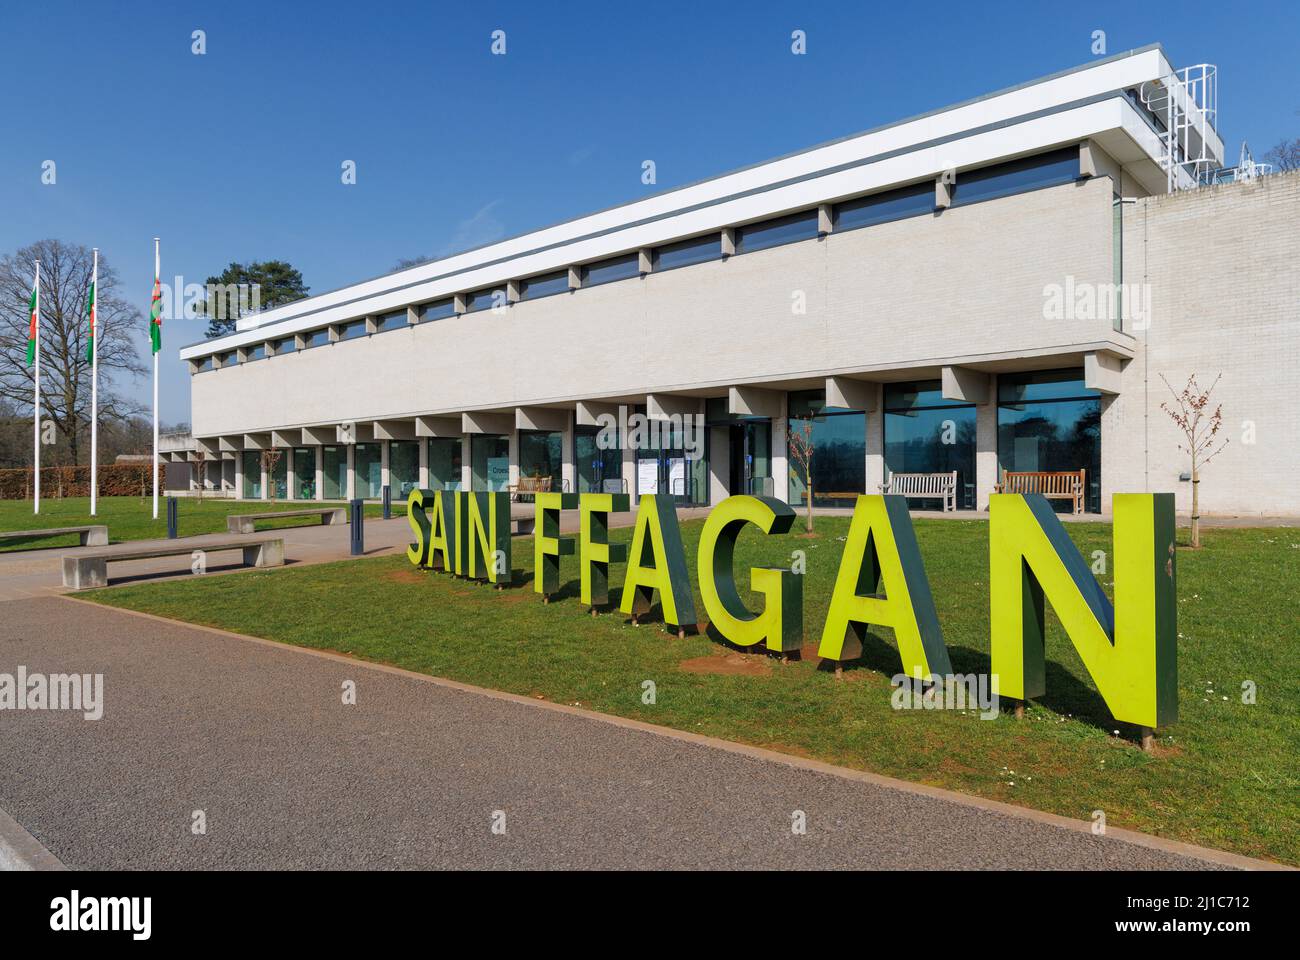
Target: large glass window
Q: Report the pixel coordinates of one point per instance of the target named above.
(489, 463)
(392, 321)
(600, 470)
(439, 310)
(1049, 421)
(403, 467)
(883, 207)
(773, 233)
(1017, 176)
(485, 299)
(839, 448)
(279, 475)
(925, 433)
(369, 466)
(304, 473)
(251, 464)
(686, 252)
(336, 473)
(445, 463)
(539, 455)
(607, 271)
(548, 285)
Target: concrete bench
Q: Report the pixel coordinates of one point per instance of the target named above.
(522, 526)
(1054, 485)
(90, 568)
(92, 535)
(247, 522)
(942, 486)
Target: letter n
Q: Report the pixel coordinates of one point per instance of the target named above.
(1130, 650)
(487, 534)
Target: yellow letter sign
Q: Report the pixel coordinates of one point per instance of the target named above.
(1130, 650)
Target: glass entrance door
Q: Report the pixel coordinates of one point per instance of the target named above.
(750, 460)
(599, 470)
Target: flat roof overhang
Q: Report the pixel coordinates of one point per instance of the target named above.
(1086, 103)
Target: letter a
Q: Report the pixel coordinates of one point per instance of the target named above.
(658, 562)
(882, 546)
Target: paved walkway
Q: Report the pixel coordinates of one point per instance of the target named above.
(416, 773)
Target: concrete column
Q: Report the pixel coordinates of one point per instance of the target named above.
(291, 476)
(568, 469)
(424, 463)
(781, 452)
(876, 443)
(266, 479)
(986, 447)
(320, 472)
(466, 461)
(514, 456)
(352, 471)
(239, 475)
(719, 464)
(385, 479)
(629, 468)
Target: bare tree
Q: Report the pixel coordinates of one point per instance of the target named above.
(1285, 155)
(1199, 430)
(800, 444)
(65, 370)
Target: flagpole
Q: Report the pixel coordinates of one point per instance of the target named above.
(94, 383)
(36, 403)
(156, 274)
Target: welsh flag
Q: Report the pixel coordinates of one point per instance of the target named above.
(90, 312)
(31, 330)
(155, 317)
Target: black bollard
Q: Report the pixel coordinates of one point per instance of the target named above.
(388, 502)
(171, 518)
(357, 519)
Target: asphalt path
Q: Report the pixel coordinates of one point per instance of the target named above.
(425, 774)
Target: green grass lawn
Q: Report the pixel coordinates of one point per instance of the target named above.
(131, 518)
(1225, 775)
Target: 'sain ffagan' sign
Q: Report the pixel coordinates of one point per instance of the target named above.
(1129, 648)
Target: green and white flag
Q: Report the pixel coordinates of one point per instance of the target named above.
(155, 317)
(31, 329)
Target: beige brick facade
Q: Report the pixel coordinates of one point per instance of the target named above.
(1224, 268)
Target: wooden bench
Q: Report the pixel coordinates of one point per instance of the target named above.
(529, 485)
(942, 486)
(247, 522)
(90, 567)
(92, 535)
(1054, 485)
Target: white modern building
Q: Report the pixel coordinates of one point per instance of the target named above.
(998, 286)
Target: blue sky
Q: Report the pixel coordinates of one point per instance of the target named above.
(236, 154)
